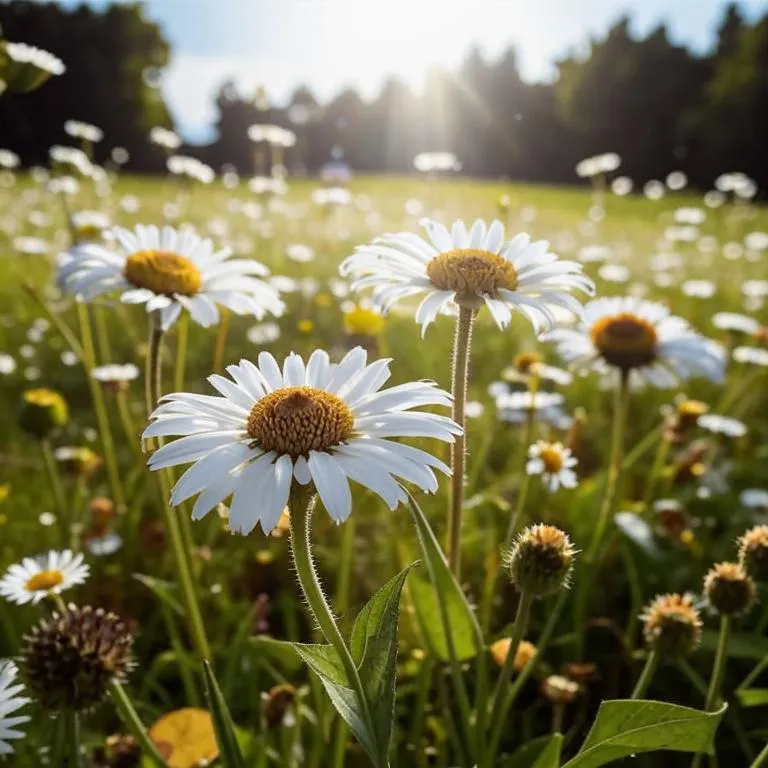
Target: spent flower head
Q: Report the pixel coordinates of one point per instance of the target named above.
(672, 625)
(541, 560)
(753, 553)
(729, 589)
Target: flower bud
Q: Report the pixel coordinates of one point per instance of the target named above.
(275, 704)
(42, 411)
(671, 625)
(525, 653)
(69, 659)
(729, 590)
(753, 553)
(541, 560)
(559, 689)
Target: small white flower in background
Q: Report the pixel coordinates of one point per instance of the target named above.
(622, 185)
(89, 225)
(653, 189)
(732, 321)
(754, 498)
(676, 180)
(71, 156)
(436, 162)
(324, 423)
(722, 425)
(115, 376)
(84, 131)
(169, 270)
(756, 241)
(266, 185)
(191, 168)
(594, 252)
(474, 409)
(35, 578)
(554, 462)
(7, 364)
(301, 254)
(472, 267)
(593, 166)
(694, 216)
(700, 289)
(10, 702)
(756, 289)
(69, 358)
(714, 198)
(631, 334)
(330, 196)
(516, 407)
(164, 138)
(28, 54)
(104, 545)
(751, 355)
(31, 246)
(613, 273)
(8, 159)
(265, 333)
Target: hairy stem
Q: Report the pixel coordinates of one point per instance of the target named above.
(649, 670)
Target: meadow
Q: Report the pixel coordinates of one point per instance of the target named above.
(685, 493)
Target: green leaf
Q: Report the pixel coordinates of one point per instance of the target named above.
(753, 697)
(463, 639)
(741, 645)
(280, 651)
(163, 590)
(626, 727)
(323, 661)
(543, 752)
(223, 726)
(374, 649)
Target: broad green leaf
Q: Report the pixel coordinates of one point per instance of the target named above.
(163, 590)
(753, 697)
(464, 638)
(323, 661)
(229, 747)
(374, 649)
(741, 645)
(638, 532)
(543, 752)
(280, 651)
(626, 727)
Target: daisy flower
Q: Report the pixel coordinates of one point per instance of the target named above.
(470, 267)
(722, 425)
(164, 138)
(554, 462)
(631, 334)
(34, 578)
(733, 321)
(115, 376)
(85, 131)
(751, 355)
(168, 271)
(319, 422)
(10, 701)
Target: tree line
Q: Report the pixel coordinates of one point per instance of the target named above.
(660, 106)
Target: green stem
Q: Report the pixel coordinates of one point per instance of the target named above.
(718, 672)
(345, 568)
(753, 675)
(659, 462)
(614, 466)
(56, 489)
(126, 421)
(301, 504)
(182, 337)
(499, 708)
(460, 379)
(558, 713)
(525, 478)
(72, 731)
(761, 759)
(133, 723)
(153, 387)
(102, 334)
(221, 341)
(649, 670)
(99, 407)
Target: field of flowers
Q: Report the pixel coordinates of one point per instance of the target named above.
(599, 599)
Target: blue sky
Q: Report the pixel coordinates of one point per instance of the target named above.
(328, 44)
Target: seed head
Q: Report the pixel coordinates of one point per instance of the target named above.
(275, 704)
(671, 625)
(753, 553)
(559, 689)
(541, 559)
(70, 658)
(730, 591)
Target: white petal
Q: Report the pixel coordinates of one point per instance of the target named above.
(331, 484)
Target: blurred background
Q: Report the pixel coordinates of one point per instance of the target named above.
(514, 88)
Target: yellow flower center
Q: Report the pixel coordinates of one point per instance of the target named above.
(625, 340)
(362, 321)
(89, 232)
(43, 581)
(42, 397)
(297, 420)
(163, 272)
(552, 458)
(471, 272)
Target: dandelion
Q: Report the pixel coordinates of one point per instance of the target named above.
(10, 702)
(318, 423)
(472, 268)
(35, 578)
(168, 271)
(554, 463)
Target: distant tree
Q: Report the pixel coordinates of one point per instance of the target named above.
(113, 59)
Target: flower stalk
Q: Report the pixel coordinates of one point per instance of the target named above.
(646, 676)
(133, 723)
(459, 382)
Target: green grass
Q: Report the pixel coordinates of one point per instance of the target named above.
(232, 572)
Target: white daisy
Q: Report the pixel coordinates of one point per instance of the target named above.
(10, 701)
(722, 425)
(89, 225)
(471, 267)
(751, 355)
(115, 373)
(21, 53)
(34, 578)
(321, 422)
(85, 131)
(554, 462)
(631, 334)
(164, 138)
(733, 321)
(168, 271)
(516, 407)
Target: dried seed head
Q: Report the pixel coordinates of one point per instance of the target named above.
(753, 553)
(671, 625)
(559, 689)
(275, 704)
(69, 659)
(730, 591)
(541, 559)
